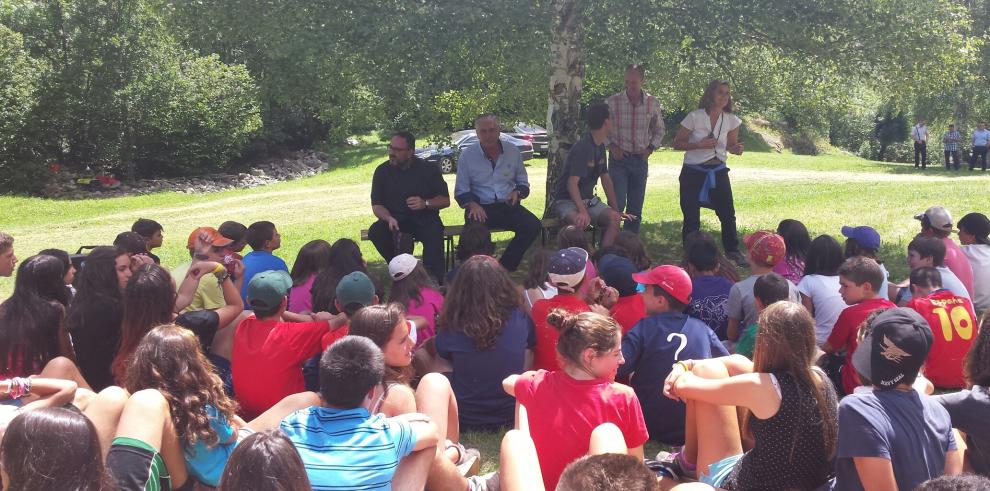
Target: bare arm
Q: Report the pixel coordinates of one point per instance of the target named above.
(424, 429)
(509, 385)
(953, 463)
(875, 473)
(808, 304)
(49, 392)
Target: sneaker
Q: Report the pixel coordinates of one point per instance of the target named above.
(470, 463)
(673, 463)
(738, 258)
(488, 482)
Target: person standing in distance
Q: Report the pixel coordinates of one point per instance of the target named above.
(707, 135)
(637, 130)
(407, 195)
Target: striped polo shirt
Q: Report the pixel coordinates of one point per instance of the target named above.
(348, 449)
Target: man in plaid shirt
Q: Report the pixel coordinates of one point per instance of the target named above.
(950, 143)
(637, 128)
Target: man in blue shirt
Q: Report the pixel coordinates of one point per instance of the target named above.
(263, 239)
(345, 447)
(491, 183)
(981, 138)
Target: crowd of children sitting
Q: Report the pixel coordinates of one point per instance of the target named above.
(234, 372)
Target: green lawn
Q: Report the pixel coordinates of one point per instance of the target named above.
(824, 192)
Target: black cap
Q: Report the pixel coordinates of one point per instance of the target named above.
(895, 348)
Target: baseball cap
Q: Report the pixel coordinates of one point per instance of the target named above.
(267, 289)
(895, 348)
(977, 224)
(566, 267)
(765, 247)
(401, 266)
(672, 279)
(617, 272)
(936, 217)
(355, 288)
(864, 235)
(208, 235)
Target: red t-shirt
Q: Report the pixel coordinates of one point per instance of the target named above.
(628, 311)
(846, 330)
(335, 334)
(266, 361)
(953, 329)
(563, 412)
(545, 352)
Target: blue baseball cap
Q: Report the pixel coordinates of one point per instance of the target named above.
(866, 236)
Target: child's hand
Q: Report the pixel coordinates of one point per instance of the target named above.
(668, 384)
(609, 297)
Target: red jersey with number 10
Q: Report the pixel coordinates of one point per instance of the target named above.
(953, 329)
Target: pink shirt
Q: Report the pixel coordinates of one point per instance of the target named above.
(958, 263)
(300, 297)
(429, 308)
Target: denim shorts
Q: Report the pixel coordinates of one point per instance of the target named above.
(719, 471)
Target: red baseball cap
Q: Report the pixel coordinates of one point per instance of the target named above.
(672, 279)
(765, 247)
(208, 235)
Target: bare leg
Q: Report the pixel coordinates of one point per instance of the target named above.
(104, 411)
(270, 419)
(607, 438)
(223, 341)
(435, 399)
(609, 221)
(717, 427)
(412, 471)
(691, 486)
(519, 467)
(63, 368)
(690, 449)
(147, 418)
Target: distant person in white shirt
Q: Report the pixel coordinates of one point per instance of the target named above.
(920, 136)
(981, 137)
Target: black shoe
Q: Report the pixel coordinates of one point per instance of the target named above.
(738, 258)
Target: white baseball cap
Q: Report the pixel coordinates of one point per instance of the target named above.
(402, 266)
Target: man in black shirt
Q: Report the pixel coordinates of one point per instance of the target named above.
(407, 195)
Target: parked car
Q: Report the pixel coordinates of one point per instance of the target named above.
(535, 134)
(446, 156)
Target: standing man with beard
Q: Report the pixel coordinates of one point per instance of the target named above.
(407, 195)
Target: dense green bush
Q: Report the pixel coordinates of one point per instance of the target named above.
(192, 116)
(20, 168)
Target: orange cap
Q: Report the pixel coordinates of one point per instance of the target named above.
(208, 235)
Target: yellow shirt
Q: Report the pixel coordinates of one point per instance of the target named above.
(208, 294)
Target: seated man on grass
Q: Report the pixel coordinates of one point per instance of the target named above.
(344, 446)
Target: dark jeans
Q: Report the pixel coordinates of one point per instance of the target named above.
(953, 156)
(426, 228)
(721, 201)
(921, 150)
(979, 154)
(516, 219)
(629, 178)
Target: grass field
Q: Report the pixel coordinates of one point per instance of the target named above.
(824, 192)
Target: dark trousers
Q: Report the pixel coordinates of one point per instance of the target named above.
(426, 228)
(629, 178)
(921, 151)
(952, 155)
(720, 200)
(979, 155)
(516, 219)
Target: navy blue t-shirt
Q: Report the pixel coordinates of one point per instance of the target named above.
(708, 298)
(650, 348)
(477, 377)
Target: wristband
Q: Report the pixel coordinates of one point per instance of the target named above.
(683, 365)
(219, 268)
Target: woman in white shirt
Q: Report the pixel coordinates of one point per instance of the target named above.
(708, 135)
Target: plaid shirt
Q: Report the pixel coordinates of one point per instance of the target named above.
(951, 141)
(635, 127)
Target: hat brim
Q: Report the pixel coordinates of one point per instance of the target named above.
(861, 359)
(642, 278)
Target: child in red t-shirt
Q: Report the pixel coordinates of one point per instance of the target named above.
(566, 271)
(953, 326)
(616, 271)
(563, 407)
(859, 279)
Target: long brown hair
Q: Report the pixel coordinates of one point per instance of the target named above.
(313, 257)
(378, 323)
(265, 461)
(53, 449)
(785, 342)
(410, 288)
(149, 300)
(708, 98)
(480, 301)
(169, 359)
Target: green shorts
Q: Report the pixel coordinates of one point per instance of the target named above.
(137, 466)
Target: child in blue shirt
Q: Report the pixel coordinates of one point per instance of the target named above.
(659, 341)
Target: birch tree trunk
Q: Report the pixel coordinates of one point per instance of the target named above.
(566, 77)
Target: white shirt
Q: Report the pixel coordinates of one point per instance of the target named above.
(920, 133)
(824, 294)
(979, 259)
(700, 126)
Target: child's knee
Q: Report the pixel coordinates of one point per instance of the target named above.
(148, 399)
(607, 431)
(435, 383)
(710, 369)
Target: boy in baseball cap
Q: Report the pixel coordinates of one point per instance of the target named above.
(974, 235)
(937, 222)
(658, 341)
(766, 249)
(206, 244)
(566, 270)
(893, 433)
(268, 352)
(863, 240)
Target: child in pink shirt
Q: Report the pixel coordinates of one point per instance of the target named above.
(413, 287)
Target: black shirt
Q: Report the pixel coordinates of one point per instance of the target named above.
(587, 161)
(392, 185)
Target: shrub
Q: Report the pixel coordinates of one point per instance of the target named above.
(20, 169)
